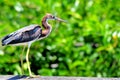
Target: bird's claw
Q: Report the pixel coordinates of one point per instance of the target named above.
(33, 76)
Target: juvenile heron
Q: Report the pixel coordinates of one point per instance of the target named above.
(30, 34)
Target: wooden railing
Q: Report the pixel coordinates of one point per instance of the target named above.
(16, 77)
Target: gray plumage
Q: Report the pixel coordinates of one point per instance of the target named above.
(26, 34)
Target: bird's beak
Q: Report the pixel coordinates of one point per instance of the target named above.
(61, 20)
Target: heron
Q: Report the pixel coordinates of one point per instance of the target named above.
(29, 34)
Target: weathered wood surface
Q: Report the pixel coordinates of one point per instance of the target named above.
(17, 77)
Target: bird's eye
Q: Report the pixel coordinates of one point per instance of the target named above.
(53, 16)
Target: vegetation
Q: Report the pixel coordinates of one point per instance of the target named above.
(88, 45)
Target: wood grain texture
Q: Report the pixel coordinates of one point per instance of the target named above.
(17, 77)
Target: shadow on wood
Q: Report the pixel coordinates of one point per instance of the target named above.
(17, 77)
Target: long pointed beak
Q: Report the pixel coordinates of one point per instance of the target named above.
(61, 20)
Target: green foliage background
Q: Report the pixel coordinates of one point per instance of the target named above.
(88, 45)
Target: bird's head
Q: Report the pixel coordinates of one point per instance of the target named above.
(52, 17)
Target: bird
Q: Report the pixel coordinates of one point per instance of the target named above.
(29, 34)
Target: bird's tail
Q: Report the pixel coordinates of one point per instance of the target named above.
(6, 40)
(3, 44)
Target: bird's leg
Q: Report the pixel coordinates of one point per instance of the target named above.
(21, 59)
(27, 60)
(28, 64)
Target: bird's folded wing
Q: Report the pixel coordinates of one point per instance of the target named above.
(22, 35)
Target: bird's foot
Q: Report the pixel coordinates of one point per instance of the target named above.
(33, 76)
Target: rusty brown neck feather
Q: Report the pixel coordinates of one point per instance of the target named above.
(47, 27)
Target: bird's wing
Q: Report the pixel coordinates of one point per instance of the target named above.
(26, 34)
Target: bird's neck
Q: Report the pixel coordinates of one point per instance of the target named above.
(47, 27)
